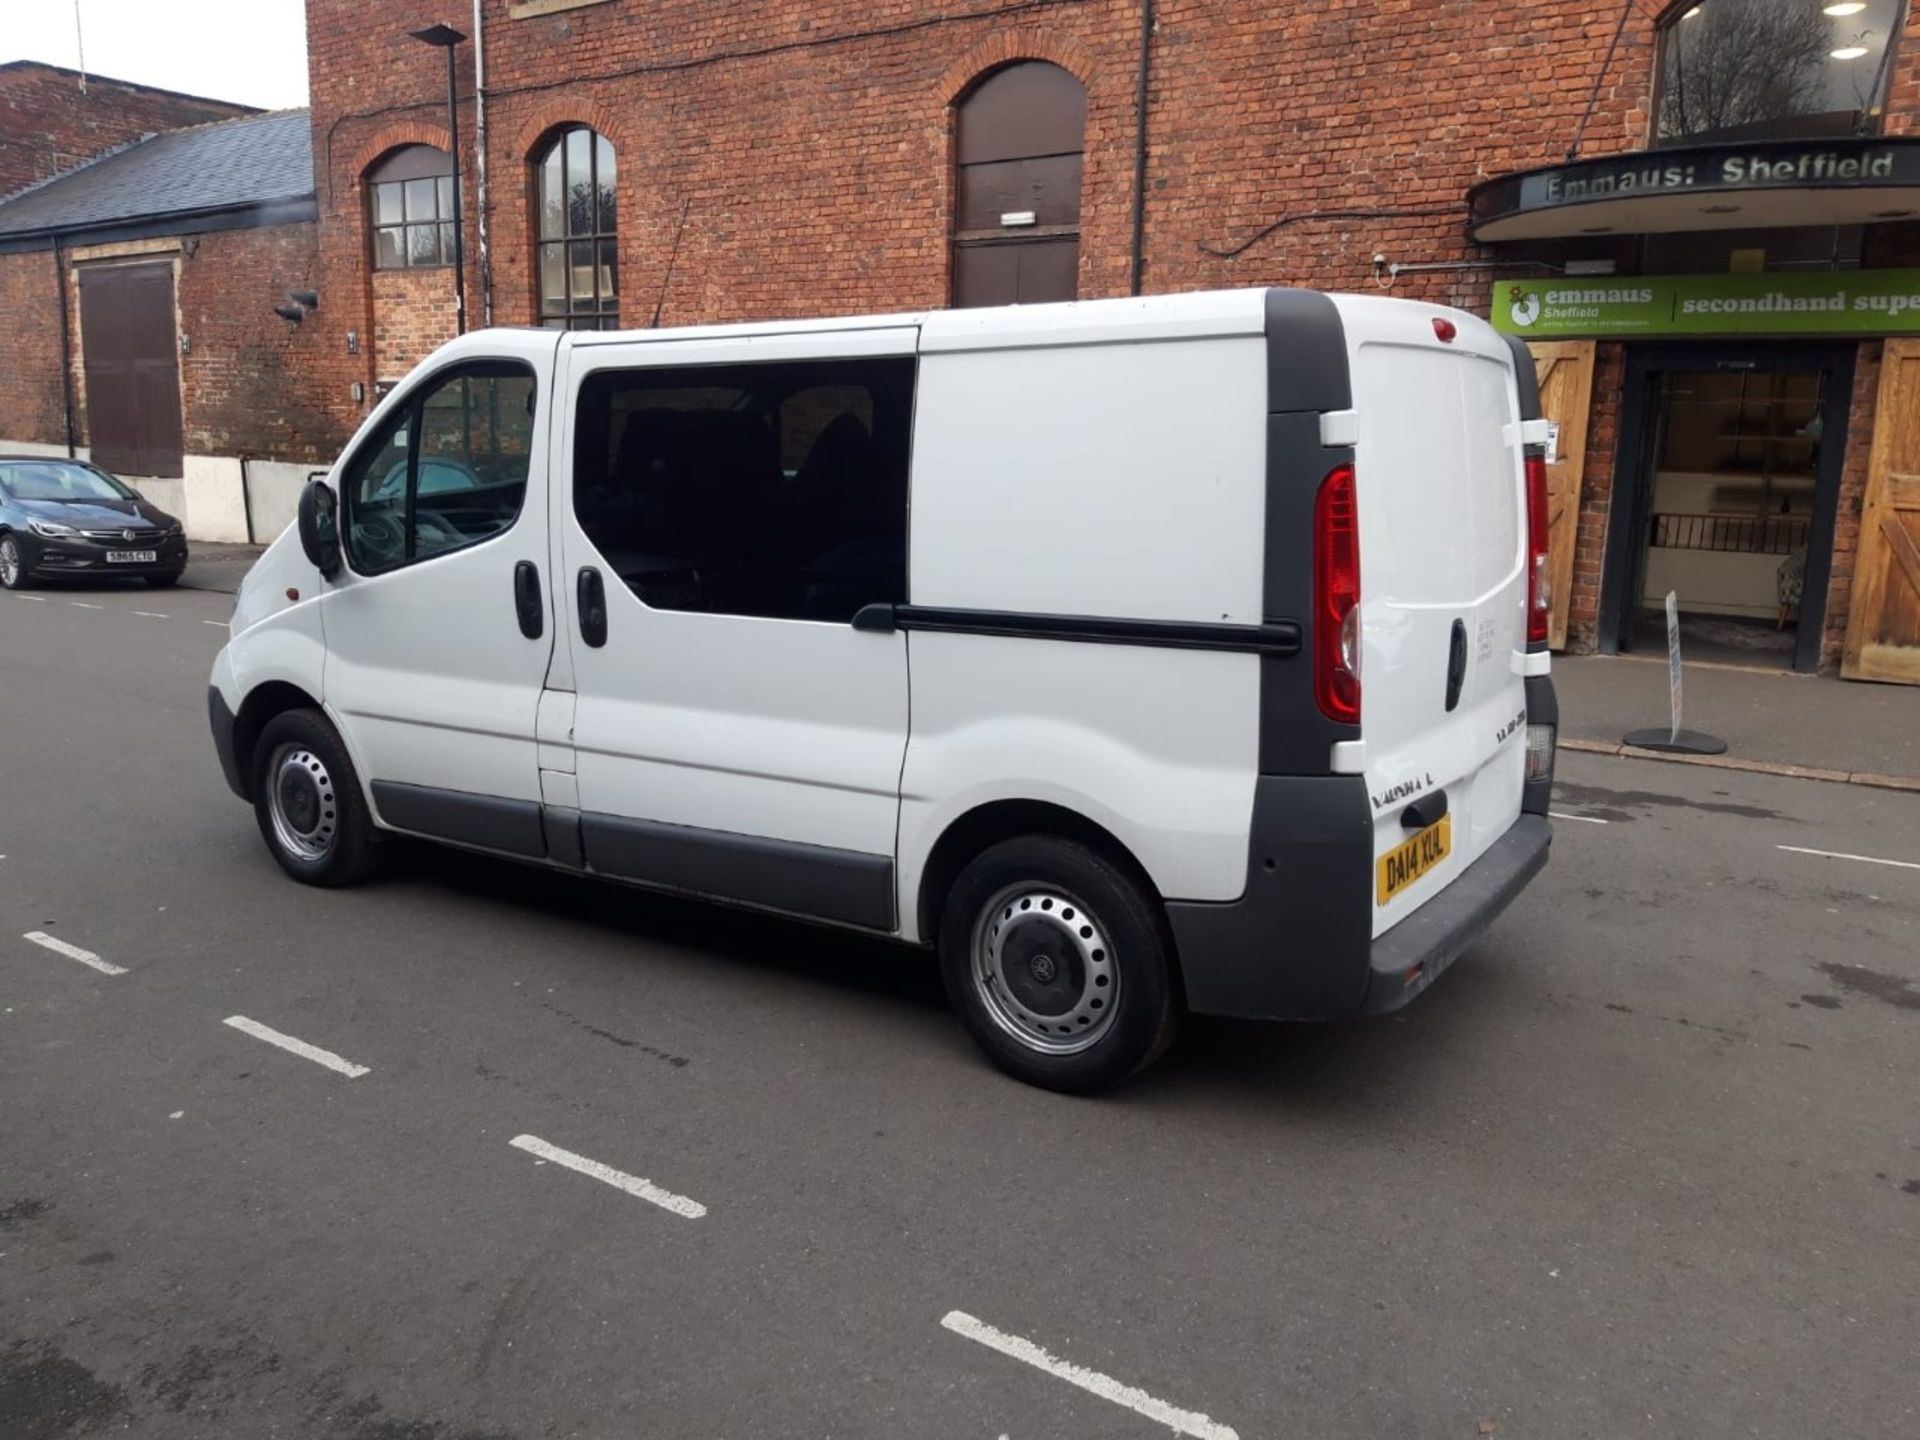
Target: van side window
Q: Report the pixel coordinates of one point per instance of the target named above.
(775, 490)
(449, 469)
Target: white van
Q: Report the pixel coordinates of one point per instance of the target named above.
(1143, 656)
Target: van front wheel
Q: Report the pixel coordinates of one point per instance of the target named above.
(308, 802)
(1058, 963)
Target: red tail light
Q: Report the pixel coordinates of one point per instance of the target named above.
(1539, 583)
(1336, 598)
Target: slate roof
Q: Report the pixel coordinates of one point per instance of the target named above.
(258, 160)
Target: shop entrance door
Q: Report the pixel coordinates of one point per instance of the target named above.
(1728, 475)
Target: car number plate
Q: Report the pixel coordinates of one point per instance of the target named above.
(132, 557)
(1404, 864)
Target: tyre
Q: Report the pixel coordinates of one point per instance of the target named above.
(1059, 963)
(162, 582)
(13, 565)
(307, 799)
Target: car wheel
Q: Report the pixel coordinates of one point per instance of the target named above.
(161, 582)
(308, 802)
(1059, 963)
(13, 565)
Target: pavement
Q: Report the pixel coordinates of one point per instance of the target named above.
(1773, 717)
(218, 567)
(1642, 1163)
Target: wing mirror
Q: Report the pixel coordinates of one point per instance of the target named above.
(320, 527)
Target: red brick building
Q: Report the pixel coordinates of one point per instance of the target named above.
(142, 284)
(52, 118)
(1646, 191)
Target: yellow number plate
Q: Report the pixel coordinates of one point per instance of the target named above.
(1404, 864)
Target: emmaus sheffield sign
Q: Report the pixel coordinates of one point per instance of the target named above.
(1832, 303)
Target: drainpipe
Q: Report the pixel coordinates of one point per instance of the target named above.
(246, 496)
(480, 159)
(66, 341)
(1140, 146)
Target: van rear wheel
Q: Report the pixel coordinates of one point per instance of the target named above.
(1059, 964)
(307, 799)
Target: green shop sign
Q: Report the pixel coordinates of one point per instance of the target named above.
(1857, 302)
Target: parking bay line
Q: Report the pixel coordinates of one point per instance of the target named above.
(220, 623)
(152, 615)
(1842, 855)
(1181, 1422)
(606, 1174)
(1583, 819)
(83, 605)
(72, 952)
(296, 1047)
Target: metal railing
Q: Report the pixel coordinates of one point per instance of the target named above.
(1732, 534)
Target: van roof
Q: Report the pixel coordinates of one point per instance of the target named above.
(1145, 317)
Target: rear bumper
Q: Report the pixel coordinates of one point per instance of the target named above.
(1410, 957)
(1298, 944)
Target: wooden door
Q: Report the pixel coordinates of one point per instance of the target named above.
(130, 346)
(1883, 627)
(1566, 396)
(1018, 156)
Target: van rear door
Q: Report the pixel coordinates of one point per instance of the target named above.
(1441, 493)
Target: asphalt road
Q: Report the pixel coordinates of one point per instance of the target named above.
(1646, 1162)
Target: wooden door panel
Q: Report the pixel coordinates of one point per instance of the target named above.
(129, 347)
(1566, 394)
(1883, 627)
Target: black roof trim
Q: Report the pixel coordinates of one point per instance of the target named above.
(303, 210)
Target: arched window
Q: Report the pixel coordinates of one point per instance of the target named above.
(411, 195)
(578, 269)
(1773, 69)
(1016, 214)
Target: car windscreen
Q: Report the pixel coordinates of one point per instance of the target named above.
(59, 480)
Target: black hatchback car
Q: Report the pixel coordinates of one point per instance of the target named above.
(66, 517)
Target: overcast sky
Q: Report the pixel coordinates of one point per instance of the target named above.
(252, 51)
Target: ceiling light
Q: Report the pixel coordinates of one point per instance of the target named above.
(1849, 52)
(1846, 7)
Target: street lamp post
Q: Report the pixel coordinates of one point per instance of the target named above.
(445, 37)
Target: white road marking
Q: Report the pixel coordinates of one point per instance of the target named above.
(1842, 855)
(1181, 1422)
(153, 614)
(220, 624)
(1583, 819)
(36, 599)
(72, 952)
(296, 1047)
(83, 605)
(620, 1180)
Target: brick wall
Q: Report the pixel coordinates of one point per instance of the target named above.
(49, 124)
(413, 315)
(246, 378)
(31, 406)
(811, 149)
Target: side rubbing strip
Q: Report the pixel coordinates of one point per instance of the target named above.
(510, 826)
(1280, 637)
(844, 885)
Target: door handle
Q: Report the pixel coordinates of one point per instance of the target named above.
(526, 599)
(591, 594)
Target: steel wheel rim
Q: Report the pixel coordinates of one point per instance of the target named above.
(9, 562)
(1044, 969)
(302, 803)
